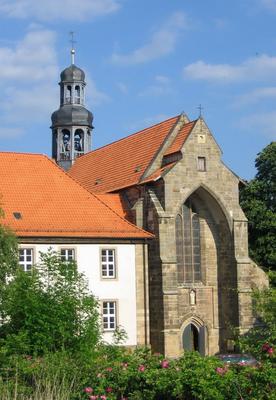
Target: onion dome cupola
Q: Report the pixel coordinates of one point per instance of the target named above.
(72, 122)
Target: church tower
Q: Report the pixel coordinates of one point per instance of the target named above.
(72, 122)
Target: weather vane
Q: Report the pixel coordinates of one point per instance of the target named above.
(72, 41)
(200, 108)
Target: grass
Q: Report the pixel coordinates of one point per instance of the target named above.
(42, 389)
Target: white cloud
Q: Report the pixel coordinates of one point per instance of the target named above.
(96, 96)
(122, 87)
(27, 81)
(162, 79)
(32, 59)
(270, 4)
(58, 9)
(160, 87)
(28, 105)
(263, 123)
(162, 42)
(146, 122)
(220, 23)
(11, 132)
(256, 95)
(259, 68)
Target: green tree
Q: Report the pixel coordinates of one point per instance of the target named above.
(261, 339)
(8, 260)
(258, 200)
(49, 309)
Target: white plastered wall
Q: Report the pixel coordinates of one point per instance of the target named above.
(122, 289)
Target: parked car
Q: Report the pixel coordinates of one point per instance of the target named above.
(240, 359)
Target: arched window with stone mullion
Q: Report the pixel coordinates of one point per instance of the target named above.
(188, 251)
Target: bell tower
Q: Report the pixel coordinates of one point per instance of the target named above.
(72, 122)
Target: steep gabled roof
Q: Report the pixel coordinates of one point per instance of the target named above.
(180, 138)
(40, 200)
(122, 163)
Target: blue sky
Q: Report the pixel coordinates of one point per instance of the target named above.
(145, 61)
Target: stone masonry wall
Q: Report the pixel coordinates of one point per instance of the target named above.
(223, 297)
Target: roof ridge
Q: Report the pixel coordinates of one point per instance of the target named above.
(96, 197)
(132, 134)
(155, 156)
(23, 153)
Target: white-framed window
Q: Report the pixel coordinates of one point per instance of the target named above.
(26, 259)
(109, 315)
(67, 254)
(108, 265)
(201, 163)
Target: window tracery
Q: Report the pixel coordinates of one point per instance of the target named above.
(188, 252)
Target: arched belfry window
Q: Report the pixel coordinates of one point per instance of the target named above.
(68, 94)
(77, 95)
(188, 254)
(78, 142)
(65, 145)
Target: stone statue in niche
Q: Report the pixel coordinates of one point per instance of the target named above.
(192, 297)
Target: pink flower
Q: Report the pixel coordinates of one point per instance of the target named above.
(103, 397)
(165, 364)
(270, 351)
(88, 390)
(93, 397)
(109, 369)
(141, 368)
(221, 371)
(108, 389)
(241, 363)
(265, 347)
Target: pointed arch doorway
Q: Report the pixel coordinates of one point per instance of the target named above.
(193, 338)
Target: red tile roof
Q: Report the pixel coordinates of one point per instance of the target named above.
(122, 163)
(180, 138)
(40, 200)
(114, 201)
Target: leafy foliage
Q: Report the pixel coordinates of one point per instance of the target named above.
(48, 309)
(261, 339)
(258, 200)
(8, 254)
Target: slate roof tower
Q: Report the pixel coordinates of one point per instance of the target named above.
(72, 122)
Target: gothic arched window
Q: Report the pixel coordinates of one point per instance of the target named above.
(188, 254)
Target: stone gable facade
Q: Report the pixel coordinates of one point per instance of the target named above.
(200, 274)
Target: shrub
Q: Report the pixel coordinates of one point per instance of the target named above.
(49, 309)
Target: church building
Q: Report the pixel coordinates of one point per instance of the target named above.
(153, 220)
(171, 182)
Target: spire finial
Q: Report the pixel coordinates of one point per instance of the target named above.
(72, 41)
(200, 108)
